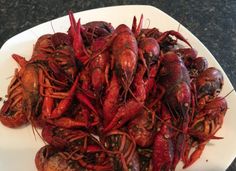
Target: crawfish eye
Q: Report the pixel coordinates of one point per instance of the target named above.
(217, 92)
(186, 104)
(163, 71)
(167, 136)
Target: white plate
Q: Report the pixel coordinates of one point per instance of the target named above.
(18, 146)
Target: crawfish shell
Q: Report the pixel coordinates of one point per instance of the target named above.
(209, 82)
(140, 130)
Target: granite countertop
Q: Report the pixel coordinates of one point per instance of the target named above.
(213, 22)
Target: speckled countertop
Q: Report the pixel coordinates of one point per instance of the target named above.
(212, 21)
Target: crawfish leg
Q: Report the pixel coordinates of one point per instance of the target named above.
(130, 109)
(173, 33)
(47, 102)
(85, 100)
(140, 53)
(66, 122)
(81, 120)
(111, 99)
(106, 74)
(124, 113)
(65, 103)
(195, 155)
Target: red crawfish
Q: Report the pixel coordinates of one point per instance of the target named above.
(64, 57)
(99, 65)
(208, 85)
(61, 137)
(11, 113)
(99, 58)
(131, 108)
(49, 158)
(163, 38)
(163, 147)
(79, 116)
(142, 128)
(122, 148)
(29, 79)
(149, 49)
(55, 50)
(174, 79)
(43, 47)
(125, 56)
(165, 35)
(95, 30)
(79, 147)
(98, 49)
(194, 64)
(203, 128)
(66, 100)
(44, 154)
(36, 81)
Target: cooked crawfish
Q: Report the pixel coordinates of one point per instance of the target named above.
(209, 84)
(99, 67)
(203, 128)
(123, 148)
(142, 128)
(174, 78)
(163, 38)
(149, 49)
(28, 77)
(125, 55)
(79, 147)
(95, 30)
(194, 64)
(164, 147)
(116, 99)
(131, 108)
(176, 82)
(11, 114)
(57, 52)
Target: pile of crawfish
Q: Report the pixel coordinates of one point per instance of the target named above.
(116, 99)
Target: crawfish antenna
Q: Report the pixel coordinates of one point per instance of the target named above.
(178, 27)
(34, 129)
(229, 93)
(52, 27)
